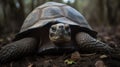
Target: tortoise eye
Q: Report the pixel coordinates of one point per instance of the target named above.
(53, 29)
(67, 28)
(51, 34)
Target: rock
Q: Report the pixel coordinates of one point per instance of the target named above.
(100, 63)
(75, 56)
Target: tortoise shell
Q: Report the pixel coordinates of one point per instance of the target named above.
(52, 12)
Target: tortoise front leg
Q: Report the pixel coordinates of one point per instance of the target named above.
(90, 44)
(17, 49)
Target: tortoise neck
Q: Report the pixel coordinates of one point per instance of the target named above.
(60, 44)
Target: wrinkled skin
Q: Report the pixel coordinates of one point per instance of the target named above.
(29, 45)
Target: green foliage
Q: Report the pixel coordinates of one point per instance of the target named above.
(69, 62)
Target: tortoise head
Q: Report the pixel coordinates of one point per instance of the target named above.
(60, 33)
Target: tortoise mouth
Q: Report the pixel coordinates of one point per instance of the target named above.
(58, 39)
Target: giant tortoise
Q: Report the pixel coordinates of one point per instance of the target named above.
(53, 28)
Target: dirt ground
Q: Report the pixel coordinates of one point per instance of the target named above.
(109, 36)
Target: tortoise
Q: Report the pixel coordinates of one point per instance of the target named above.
(53, 28)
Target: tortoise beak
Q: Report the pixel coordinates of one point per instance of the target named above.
(61, 32)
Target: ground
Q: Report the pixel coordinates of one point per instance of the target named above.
(107, 35)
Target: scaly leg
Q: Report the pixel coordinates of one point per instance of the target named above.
(90, 44)
(17, 49)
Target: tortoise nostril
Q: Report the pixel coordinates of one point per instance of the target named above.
(60, 26)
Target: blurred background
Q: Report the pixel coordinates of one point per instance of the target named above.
(102, 15)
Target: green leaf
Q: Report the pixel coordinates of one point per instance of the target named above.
(69, 62)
